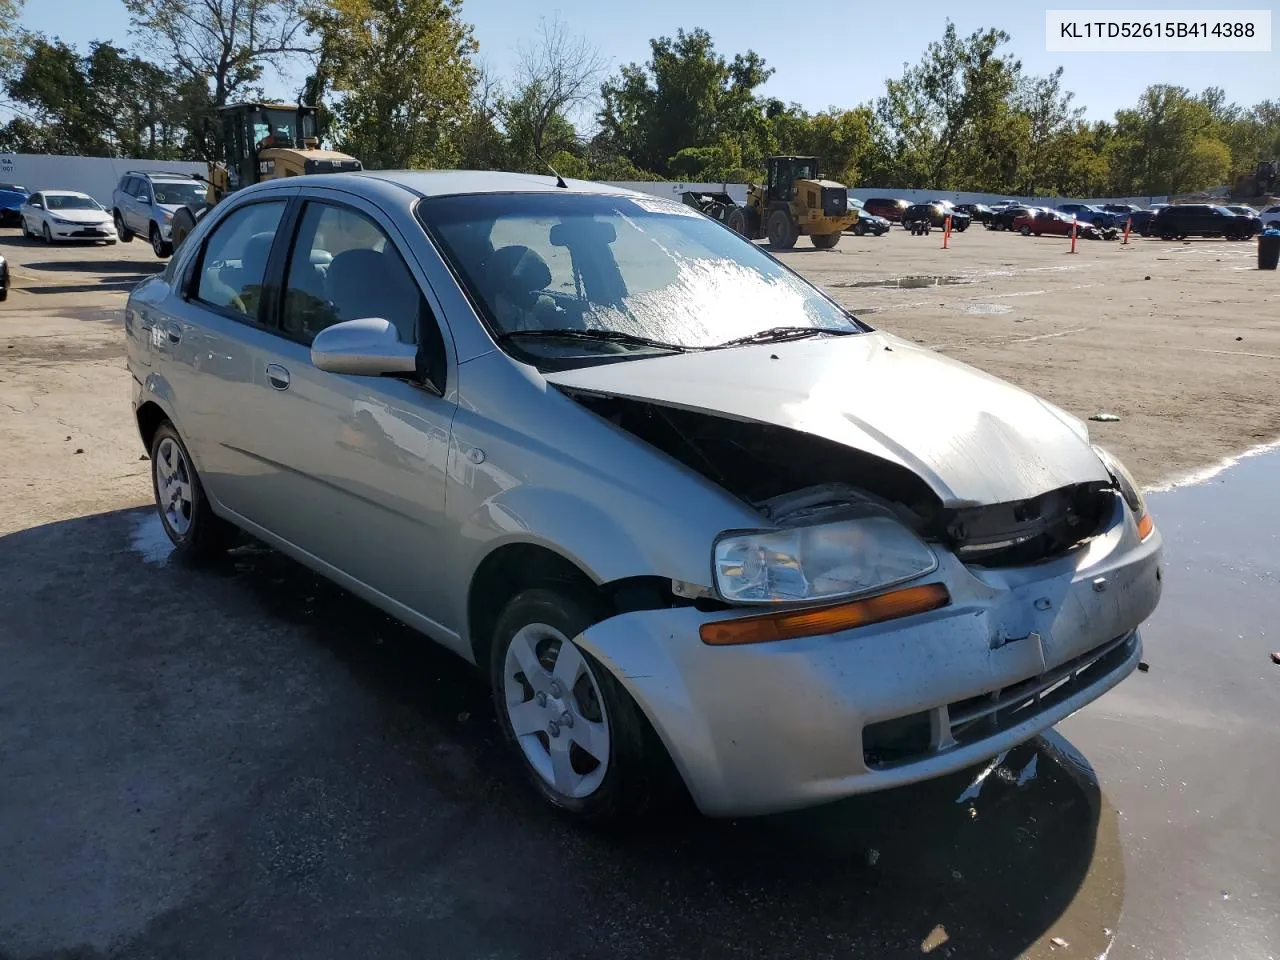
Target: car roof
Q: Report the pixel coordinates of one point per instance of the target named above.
(65, 193)
(441, 183)
(162, 175)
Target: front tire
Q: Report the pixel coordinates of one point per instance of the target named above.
(737, 221)
(1025, 231)
(197, 533)
(48, 235)
(576, 732)
(123, 232)
(782, 232)
(162, 247)
(825, 241)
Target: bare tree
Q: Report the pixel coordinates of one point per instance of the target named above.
(556, 78)
(225, 42)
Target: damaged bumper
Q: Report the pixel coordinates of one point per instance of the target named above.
(775, 726)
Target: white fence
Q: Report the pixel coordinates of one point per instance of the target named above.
(96, 176)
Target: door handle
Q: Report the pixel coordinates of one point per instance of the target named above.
(277, 376)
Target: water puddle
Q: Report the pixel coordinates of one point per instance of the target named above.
(150, 541)
(916, 282)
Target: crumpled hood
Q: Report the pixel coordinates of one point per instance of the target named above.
(974, 439)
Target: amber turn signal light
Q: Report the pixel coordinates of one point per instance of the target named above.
(789, 624)
(1146, 526)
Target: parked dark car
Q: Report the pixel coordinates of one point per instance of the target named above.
(1140, 221)
(887, 207)
(1057, 223)
(978, 211)
(12, 197)
(1087, 213)
(935, 214)
(1123, 210)
(1244, 211)
(1002, 218)
(1202, 220)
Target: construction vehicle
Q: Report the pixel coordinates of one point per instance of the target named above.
(261, 141)
(794, 201)
(1261, 182)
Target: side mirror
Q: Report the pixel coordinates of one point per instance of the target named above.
(368, 347)
(143, 198)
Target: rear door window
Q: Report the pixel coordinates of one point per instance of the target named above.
(235, 258)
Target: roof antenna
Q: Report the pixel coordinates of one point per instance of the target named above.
(559, 179)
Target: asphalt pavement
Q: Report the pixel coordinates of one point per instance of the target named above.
(244, 761)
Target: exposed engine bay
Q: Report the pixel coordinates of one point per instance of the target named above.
(789, 476)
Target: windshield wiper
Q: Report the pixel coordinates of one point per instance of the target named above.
(602, 336)
(777, 334)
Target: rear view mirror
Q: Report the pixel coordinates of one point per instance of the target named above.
(585, 232)
(368, 347)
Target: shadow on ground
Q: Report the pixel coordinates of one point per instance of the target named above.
(98, 266)
(247, 761)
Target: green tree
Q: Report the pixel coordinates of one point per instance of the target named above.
(53, 89)
(10, 36)
(1167, 145)
(403, 75)
(687, 95)
(556, 78)
(960, 88)
(224, 44)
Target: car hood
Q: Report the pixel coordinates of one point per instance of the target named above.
(81, 216)
(974, 439)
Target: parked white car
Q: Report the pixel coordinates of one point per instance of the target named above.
(66, 215)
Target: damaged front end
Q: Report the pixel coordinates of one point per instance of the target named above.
(793, 478)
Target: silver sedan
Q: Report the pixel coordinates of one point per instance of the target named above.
(693, 520)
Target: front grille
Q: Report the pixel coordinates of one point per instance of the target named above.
(901, 740)
(89, 232)
(982, 716)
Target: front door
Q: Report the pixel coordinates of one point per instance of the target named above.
(351, 470)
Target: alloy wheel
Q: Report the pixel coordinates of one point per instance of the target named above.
(556, 710)
(174, 495)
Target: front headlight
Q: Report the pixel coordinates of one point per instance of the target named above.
(1129, 490)
(823, 562)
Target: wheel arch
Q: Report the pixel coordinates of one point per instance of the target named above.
(515, 566)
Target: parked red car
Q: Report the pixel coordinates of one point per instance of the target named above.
(1058, 224)
(886, 207)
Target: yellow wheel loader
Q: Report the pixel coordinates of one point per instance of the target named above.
(794, 201)
(261, 141)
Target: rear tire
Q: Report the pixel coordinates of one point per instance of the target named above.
(1025, 231)
(580, 738)
(824, 241)
(782, 232)
(123, 232)
(197, 533)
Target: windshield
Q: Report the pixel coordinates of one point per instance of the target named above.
(53, 201)
(178, 193)
(1222, 210)
(646, 268)
(274, 128)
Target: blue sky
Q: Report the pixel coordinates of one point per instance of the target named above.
(837, 52)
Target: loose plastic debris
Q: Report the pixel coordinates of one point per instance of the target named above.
(1105, 417)
(1059, 942)
(1143, 666)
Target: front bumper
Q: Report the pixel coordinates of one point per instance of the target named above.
(776, 726)
(82, 231)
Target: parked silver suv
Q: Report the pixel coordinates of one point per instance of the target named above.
(144, 202)
(683, 510)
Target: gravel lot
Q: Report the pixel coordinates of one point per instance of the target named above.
(248, 762)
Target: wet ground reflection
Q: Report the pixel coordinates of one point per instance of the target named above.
(953, 867)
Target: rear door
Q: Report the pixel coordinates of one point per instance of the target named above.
(208, 345)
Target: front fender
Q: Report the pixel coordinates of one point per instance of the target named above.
(598, 542)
